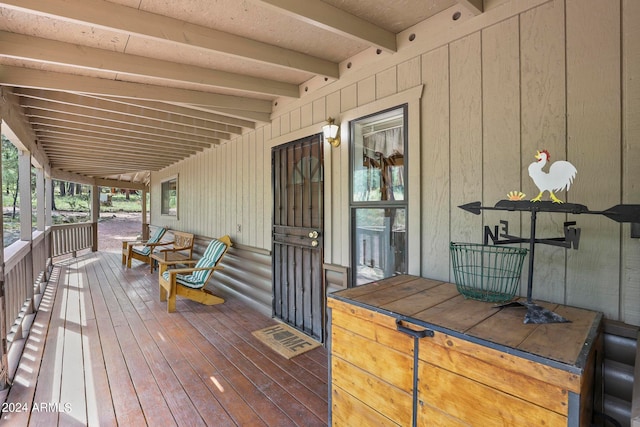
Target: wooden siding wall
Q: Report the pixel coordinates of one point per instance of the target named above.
(562, 75)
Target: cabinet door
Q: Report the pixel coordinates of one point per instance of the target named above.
(371, 372)
(463, 383)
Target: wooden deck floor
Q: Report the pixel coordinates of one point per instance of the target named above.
(103, 351)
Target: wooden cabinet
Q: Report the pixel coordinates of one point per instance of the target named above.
(412, 351)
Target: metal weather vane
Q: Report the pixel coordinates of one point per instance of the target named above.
(559, 177)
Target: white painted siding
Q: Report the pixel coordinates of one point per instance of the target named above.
(562, 75)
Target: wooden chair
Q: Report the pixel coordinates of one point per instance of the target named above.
(140, 249)
(190, 282)
(181, 250)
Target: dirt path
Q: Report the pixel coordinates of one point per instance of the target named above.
(113, 228)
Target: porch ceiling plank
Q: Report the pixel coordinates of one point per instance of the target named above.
(110, 160)
(87, 130)
(83, 167)
(100, 154)
(103, 172)
(145, 149)
(71, 143)
(133, 126)
(256, 116)
(330, 18)
(27, 77)
(107, 157)
(182, 110)
(49, 51)
(106, 169)
(123, 113)
(132, 21)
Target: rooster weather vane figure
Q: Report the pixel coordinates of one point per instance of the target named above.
(560, 177)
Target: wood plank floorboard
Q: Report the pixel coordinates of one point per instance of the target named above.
(103, 351)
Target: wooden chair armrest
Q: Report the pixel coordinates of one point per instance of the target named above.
(191, 270)
(153, 245)
(174, 249)
(181, 261)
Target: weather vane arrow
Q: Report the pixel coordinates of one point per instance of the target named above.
(618, 213)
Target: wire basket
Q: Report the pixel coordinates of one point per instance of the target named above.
(487, 273)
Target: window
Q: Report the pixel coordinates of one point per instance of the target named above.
(169, 197)
(378, 195)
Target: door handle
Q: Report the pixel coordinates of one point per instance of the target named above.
(313, 234)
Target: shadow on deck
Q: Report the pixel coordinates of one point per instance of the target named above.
(104, 351)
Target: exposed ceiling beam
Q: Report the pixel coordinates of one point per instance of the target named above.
(36, 116)
(26, 77)
(113, 16)
(183, 110)
(119, 163)
(473, 6)
(38, 49)
(158, 112)
(13, 115)
(120, 184)
(90, 136)
(330, 18)
(63, 175)
(36, 109)
(97, 146)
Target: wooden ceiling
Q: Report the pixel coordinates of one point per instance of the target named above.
(115, 89)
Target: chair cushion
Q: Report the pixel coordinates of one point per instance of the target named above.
(210, 257)
(155, 237)
(186, 280)
(146, 250)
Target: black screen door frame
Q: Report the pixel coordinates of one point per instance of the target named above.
(298, 235)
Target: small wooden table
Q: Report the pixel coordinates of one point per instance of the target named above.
(170, 258)
(413, 351)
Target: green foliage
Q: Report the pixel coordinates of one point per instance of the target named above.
(77, 203)
(119, 203)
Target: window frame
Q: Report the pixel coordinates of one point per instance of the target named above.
(164, 194)
(354, 205)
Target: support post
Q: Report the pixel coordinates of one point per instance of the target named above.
(145, 224)
(4, 364)
(26, 221)
(95, 216)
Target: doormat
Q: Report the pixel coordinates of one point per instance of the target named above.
(285, 340)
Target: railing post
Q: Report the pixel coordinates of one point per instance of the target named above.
(4, 367)
(145, 225)
(4, 360)
(95, 216)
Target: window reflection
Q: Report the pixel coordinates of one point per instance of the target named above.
(379, 243)
(378, 196)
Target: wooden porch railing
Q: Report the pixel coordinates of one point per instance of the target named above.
(70, 238)
(26, 269)
(25, 275)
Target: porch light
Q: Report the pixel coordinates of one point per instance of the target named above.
(331, 133)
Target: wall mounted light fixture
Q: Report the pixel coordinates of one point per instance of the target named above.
(331, 133)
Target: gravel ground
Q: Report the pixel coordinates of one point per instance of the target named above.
(113, 228)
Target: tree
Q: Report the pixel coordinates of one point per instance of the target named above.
(10, 171)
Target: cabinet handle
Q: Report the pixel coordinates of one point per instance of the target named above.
(415, 334)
